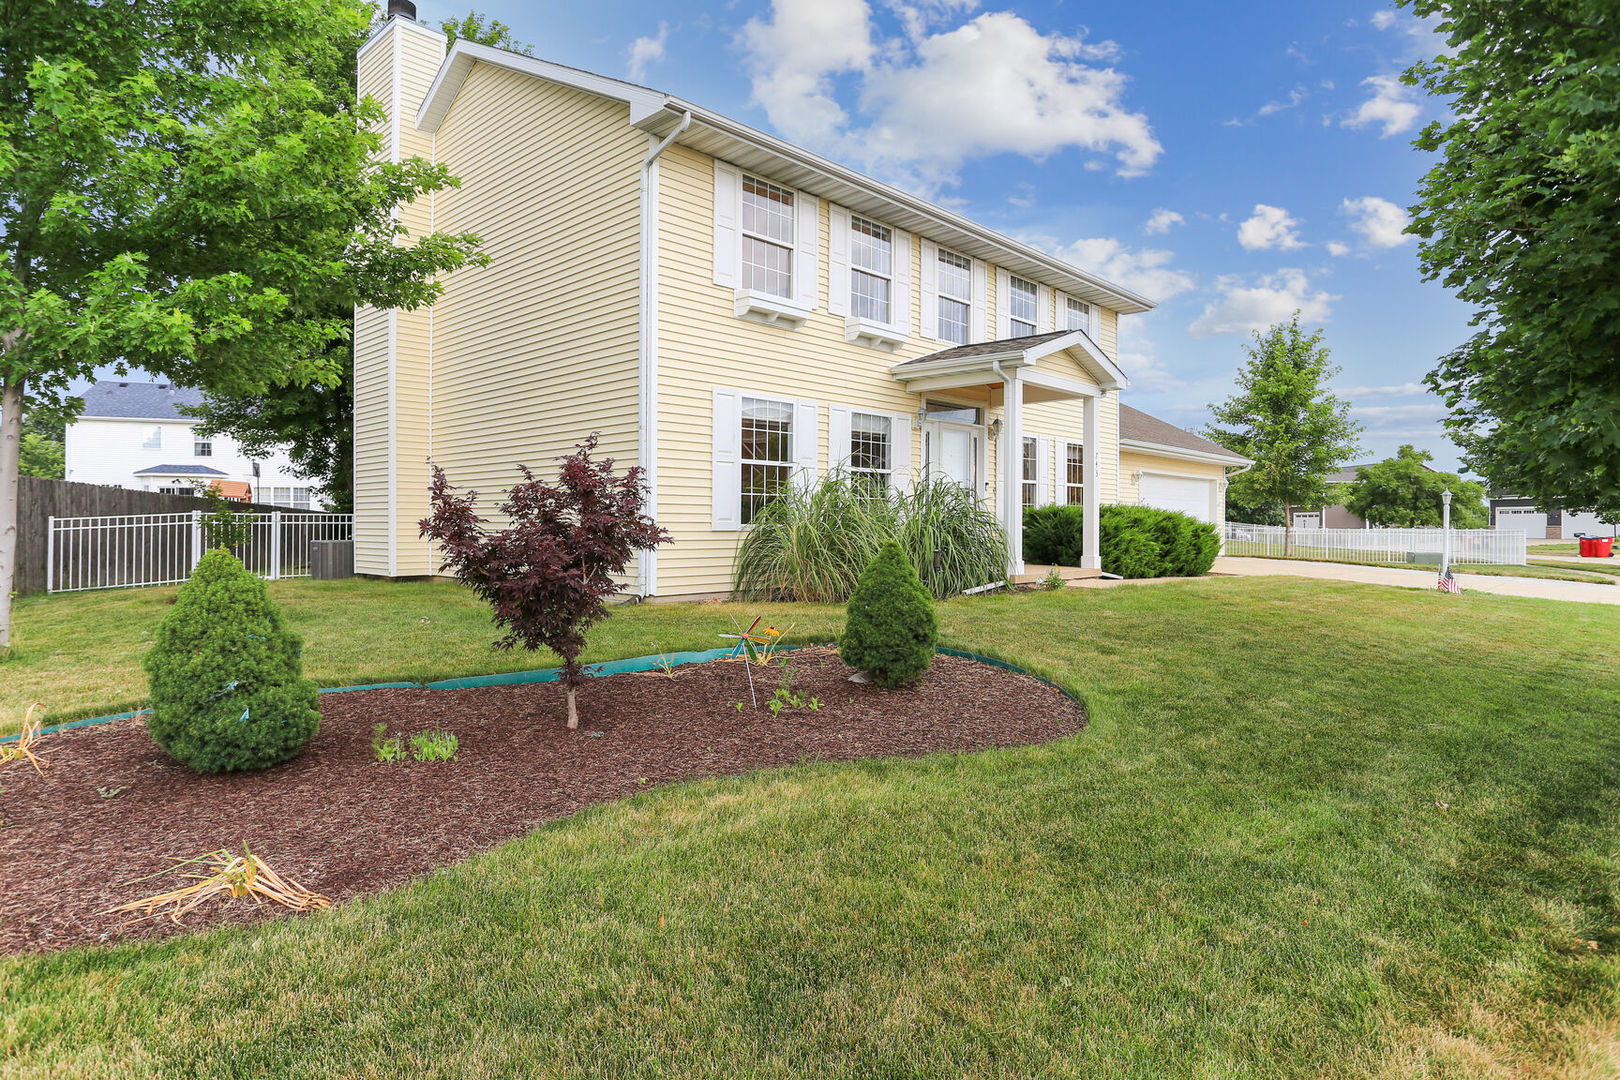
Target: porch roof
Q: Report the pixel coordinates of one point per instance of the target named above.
(967, 365)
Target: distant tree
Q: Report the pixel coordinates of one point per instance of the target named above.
(484, 30)
(1518, 218)
(44, 445)
(1403, 492)
(1285, 419)
(180, 193)
(1244, 503)
(549, 573)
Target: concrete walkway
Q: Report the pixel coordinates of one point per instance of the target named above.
(1538, 588)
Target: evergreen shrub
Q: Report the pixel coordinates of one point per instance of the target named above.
(891, 629)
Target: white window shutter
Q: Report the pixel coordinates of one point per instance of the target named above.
(806, 240)
(900, 452)
(1060, 304)
(1043, 309)
(979, 324)
(1003, 304)
(1043, 470)
(900, 302)
(727, 220)
(838, 434)
(837, 260)
(1096, 325)
(928, 289)
(726, 484)
(806, 441)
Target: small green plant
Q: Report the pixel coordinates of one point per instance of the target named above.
(386, 747)
(435, 745)
(220, 525)
(1053, 581)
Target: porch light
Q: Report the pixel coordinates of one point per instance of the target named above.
(995, 428)
(922, 416)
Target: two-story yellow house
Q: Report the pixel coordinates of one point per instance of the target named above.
(728, 311)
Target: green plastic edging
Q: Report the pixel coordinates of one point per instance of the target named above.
(545, 675)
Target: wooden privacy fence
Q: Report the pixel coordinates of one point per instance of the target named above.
(124, 551)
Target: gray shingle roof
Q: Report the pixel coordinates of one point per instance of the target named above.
(139, 400)
(962, 352)
(179, 470)
(1137, 426)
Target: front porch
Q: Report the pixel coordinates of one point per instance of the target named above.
(1036, 573)
(1014, 373)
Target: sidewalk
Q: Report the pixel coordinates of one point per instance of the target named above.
(1537, 588)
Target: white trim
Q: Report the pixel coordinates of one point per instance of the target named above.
(875, 335)
(838, 227)
(1060, 492)
(463, 54)
(1162, 450)
(727, 224)
(1003, 298)
(1091, 499)
(1061, 383)
(768, 308)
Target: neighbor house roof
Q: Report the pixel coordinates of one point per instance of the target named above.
(1139, 430)
(179, 470)
(124, 400)
(719, 136)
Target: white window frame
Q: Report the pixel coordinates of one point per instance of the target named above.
(878, 334)
(788, 245)
(152, 439)
(789, 312)
(841, 446)
(1029, 487)
(201, 447)
(1073, 494)
(941, 258)
(1093, 326)
(1015, 325)
(726, 444)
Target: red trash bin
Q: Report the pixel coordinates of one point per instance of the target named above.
(1586, 547)
(1602, 547)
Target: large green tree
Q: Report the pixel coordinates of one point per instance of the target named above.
(1286, 420)
(314, 422)
(178, 193)
(1518, 217)
(44, 445)
(1404, 493)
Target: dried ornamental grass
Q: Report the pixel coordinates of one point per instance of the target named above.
(24, 746)
(234, 876)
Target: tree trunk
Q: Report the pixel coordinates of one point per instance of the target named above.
(573, 711)
(1288, 527)
(11, 406)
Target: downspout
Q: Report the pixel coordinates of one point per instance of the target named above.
(647, 444)
(1010, 494)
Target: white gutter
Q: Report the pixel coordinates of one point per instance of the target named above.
(647, 332)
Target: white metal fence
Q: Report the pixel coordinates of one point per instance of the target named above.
(1400, 546)
(162, 549)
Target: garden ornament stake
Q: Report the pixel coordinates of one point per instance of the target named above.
(753, 648)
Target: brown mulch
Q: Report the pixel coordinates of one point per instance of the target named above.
(336, 821)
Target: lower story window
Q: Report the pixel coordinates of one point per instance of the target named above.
(1074, 474)
(869, 456)
(295, 497)
(767, 453)
(1032, 471)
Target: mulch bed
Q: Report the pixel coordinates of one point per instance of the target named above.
(338, 822)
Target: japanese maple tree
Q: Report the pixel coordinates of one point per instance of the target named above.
(550, 572)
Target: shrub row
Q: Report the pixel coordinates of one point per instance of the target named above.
(1137, 541)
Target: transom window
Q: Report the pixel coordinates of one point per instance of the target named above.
(1021, 304)
(869, 455)
(1032, 471)
(202, 448)
(152, 439)
(1077, 315)
(1074, 474)
(767, 245)
(955, 296)
(871, 274)
(767, 453)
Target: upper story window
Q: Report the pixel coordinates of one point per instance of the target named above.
(152, 439)
(767, 237)
(767, 453)
(1074, 474)
(1076, 314)
(1032, 469)
(1021, 306)
(871, 270)
(295, 497)
(870, 457)
(202, 448)
(955, 296)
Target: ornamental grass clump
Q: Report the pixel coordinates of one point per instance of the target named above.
(891, 629)
(227, 685)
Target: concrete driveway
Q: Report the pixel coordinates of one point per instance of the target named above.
(1538, 588)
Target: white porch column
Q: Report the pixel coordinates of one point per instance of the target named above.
(1011, 458)
(1091, 494)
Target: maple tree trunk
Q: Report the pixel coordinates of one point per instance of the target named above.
(11, 405)
(573, 711)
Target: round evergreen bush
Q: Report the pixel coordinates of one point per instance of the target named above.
(228, 692)
(891, 628)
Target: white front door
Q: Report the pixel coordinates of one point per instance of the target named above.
(953, 451)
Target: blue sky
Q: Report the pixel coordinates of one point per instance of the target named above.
(1232, 161)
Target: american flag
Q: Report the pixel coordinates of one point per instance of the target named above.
(1449, 584)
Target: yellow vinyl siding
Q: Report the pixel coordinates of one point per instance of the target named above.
(537, 350)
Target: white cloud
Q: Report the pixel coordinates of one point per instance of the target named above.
(927, 104)
(1272, 298)
(1387, 413)
(1269, 227)
(919, 16)
(1378, 220)
(1161, 221)
(1410, 389)
(1335, 248)
(1383, 20)
(1146, 371)
(1295, 96)
(1392, 105)
(1145, 270)
(647, 50)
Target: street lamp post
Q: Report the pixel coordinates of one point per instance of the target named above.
(1445, 528)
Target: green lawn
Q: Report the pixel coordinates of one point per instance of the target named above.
(1315, 830)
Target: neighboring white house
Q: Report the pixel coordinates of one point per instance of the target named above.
(133, 435)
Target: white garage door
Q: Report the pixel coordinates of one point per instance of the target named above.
(1532, 523)
(1195, 498)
